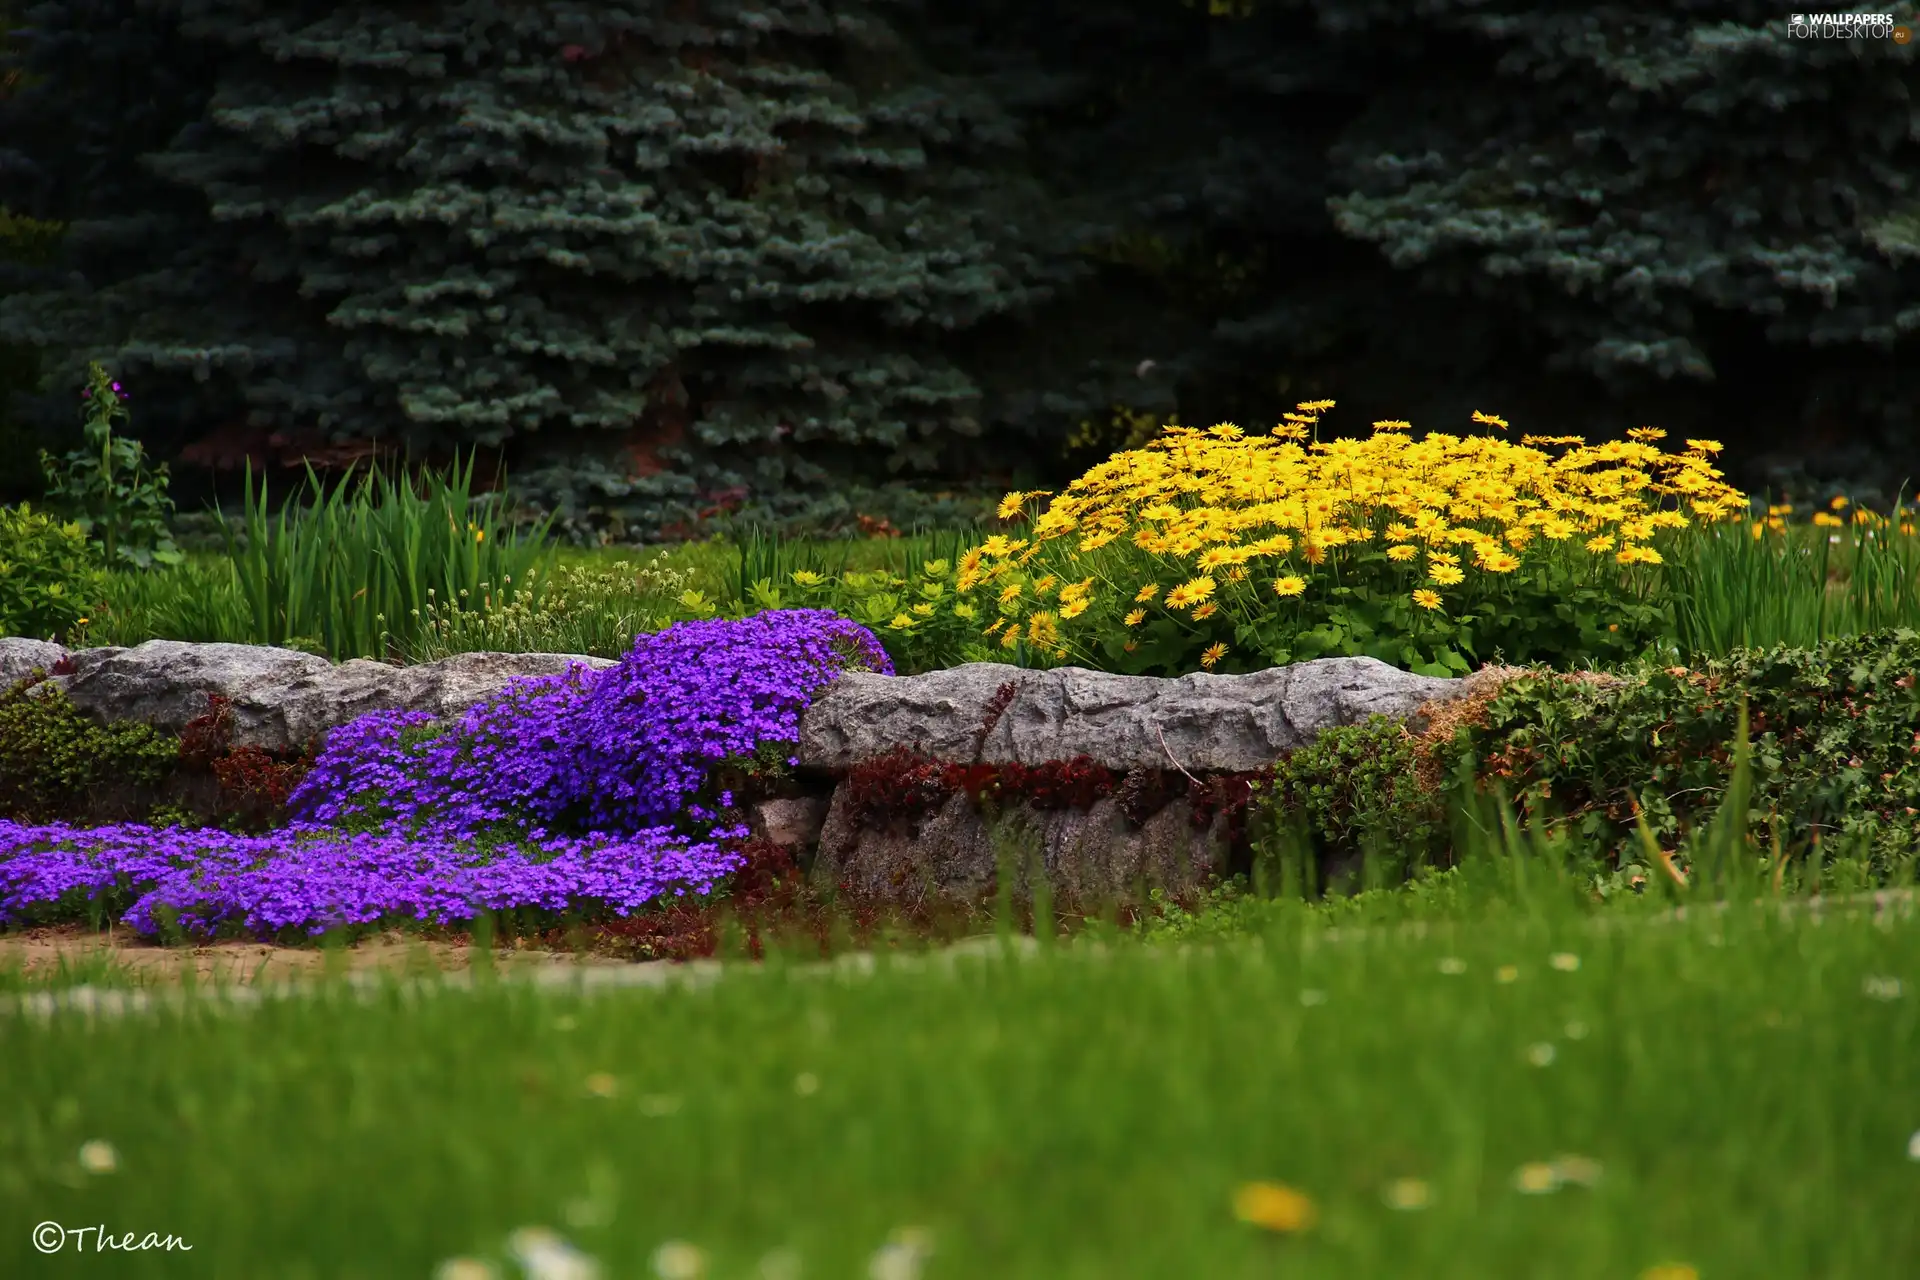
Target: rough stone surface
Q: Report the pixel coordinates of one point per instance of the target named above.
(793, 823)
(1201, 723)
(19, 657)
(1090, 856)
(281, 699)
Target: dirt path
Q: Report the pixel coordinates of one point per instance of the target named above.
(42, 953)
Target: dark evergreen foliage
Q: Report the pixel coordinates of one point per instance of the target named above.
(750, 257)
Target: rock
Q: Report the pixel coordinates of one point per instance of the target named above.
(1090, 857)
(281, 699)
(792, 823)
(19, 657)
(1199, 723)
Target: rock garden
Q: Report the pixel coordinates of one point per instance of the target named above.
(1393, 855)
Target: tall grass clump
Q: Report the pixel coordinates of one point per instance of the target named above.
(357, 572)
(1771, 582)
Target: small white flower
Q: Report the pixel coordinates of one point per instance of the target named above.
(544, 1255)
(1564, 961)
(465, 1269)
(806, 1084)
(99, 1157)
(1453, 966)
(1407, 1194)
(1311, 997)
(678, 1260)
(659, 1104)
(1536, 1179)
(1878, 988)
(1507, 973)
(1540, 1055)
(1576, 1031)
(1578, 1169)
(1913, 1146)
(902, 1257)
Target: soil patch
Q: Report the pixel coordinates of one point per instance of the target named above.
(44, 952)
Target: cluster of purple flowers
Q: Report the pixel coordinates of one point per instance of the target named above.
(574, 791)
(316, 878)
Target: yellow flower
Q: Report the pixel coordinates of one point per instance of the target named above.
(1274, 1206)
(1704, 446)
(1010, 639)
(1010, 593)
(1489, 420)
(1600, 542)
(1445, 575)
(923, 610)
(1496, 561)
(1213, 557)
(900, 622)
(1190, 593)
(1632, 554)
(1214, 653)
(1426, 599)
(1205, 611)
(1839, 503)
(1826, 521)
(1646, 435)
(1072, 609)
(1393, 424)
(1314, 406)
(1289, 586)
(1146, 593)
(1042, 630)
(1405, 551)
(1135, 618)
(1671, 1271)
(806, 578)
(1010, 505)
(479, 535)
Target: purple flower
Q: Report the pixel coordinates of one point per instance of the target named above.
(565, 792)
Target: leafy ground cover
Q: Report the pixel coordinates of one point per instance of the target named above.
(1497, 1080)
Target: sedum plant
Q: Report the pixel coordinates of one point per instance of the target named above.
(1214, 550)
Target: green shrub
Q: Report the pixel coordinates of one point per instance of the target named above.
(910, 601)
(1835, 736)
(52, 757)
(197, 601)
(49, 577)
(1354, 793)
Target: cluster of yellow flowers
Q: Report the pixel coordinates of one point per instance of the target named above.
(1206, 521)
(1902, 518)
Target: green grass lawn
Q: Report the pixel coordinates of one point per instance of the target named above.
(1735, 1091)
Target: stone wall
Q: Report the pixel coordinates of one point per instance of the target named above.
(1174, 738)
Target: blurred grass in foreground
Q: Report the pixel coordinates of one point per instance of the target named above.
(1497, 1080)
